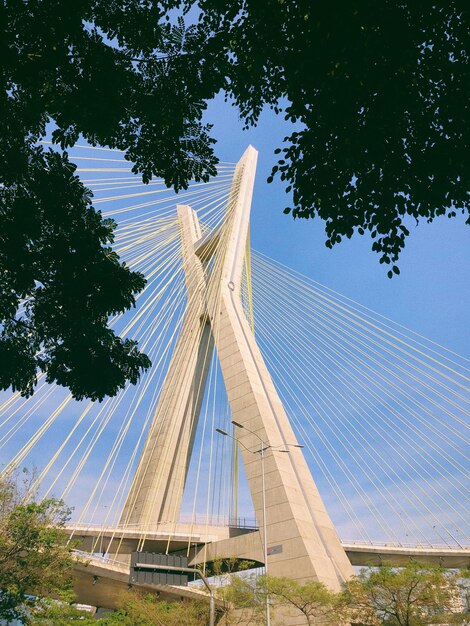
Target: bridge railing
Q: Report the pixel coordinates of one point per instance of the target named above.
(411, 546)
(196, 520)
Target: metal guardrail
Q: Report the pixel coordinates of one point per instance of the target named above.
(251, 524)
(413, 546)
(202, 520)
(101, 558)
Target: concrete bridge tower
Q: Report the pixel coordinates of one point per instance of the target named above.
(303, 542)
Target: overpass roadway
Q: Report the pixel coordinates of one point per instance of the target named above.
(206, 543)
(102, 573)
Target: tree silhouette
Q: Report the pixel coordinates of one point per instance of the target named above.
(377, 93)
(77, 67)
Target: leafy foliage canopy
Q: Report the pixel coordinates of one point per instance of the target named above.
(34, 557)
(113, 73)
(377, 94)
(414, 595)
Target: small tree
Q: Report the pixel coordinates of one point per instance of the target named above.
(238, 593)
(135, 610)
(414, 595)
(312, 599)
(51, 613)
(34, 557)
(138, 610)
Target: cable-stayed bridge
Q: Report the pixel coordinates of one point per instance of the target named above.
(316, 384)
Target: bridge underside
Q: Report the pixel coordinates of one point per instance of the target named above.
(103, 585)
(201, 543)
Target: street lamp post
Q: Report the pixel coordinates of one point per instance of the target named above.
(261, 452)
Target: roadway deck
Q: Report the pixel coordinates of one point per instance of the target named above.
(101, 578)
(203, 543)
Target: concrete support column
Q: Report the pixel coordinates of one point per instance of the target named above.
(157, 489)
(300, 534)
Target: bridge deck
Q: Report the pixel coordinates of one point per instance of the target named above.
(369, 554)
(101, 581)
(246, 542)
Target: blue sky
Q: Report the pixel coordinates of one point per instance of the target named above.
(432, 293)
(431, 296)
